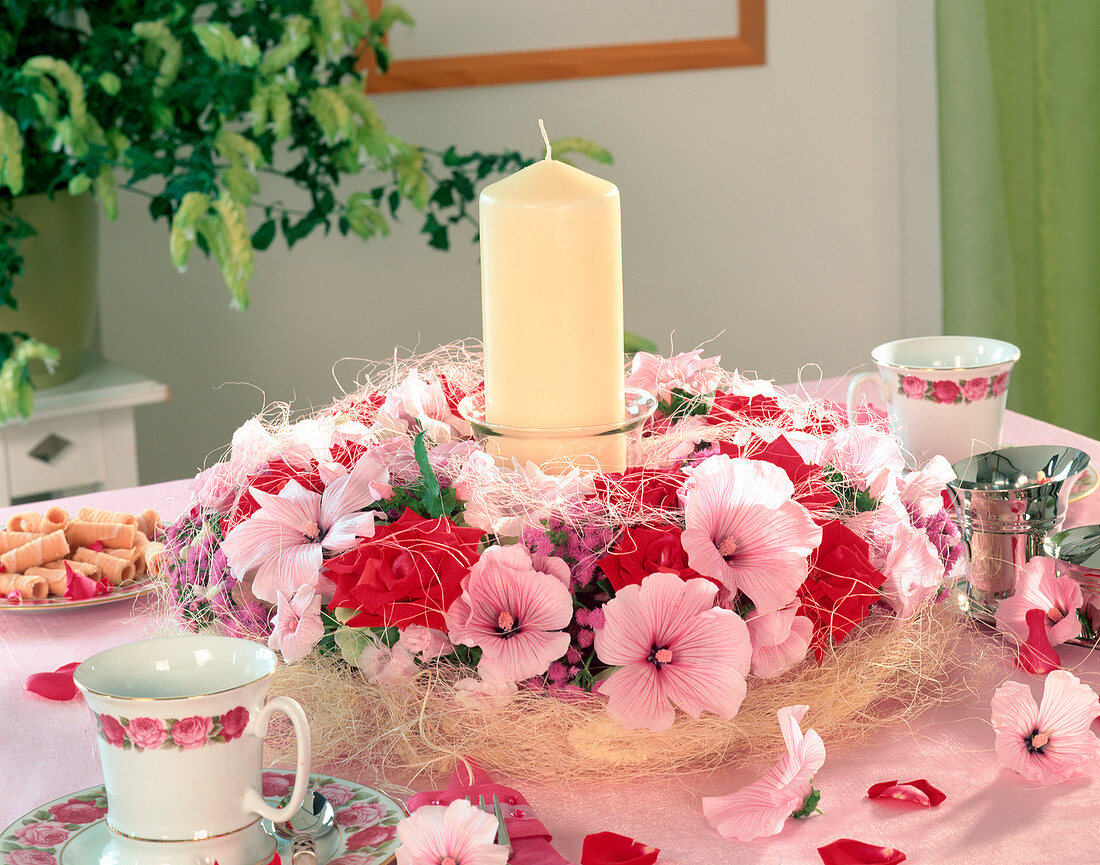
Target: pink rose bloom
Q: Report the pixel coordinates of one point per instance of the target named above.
(974, 389)
(999, 384)
(146, 732)
(77, 811)
(361, 814)
(372, 836)
(192, 732)
(29, 857)
(213, 487)
(426, 642)
(337, 794)
(113, 731)
(945, 391)
(689, 371)
(49, 834)
(276, 785)
(233, 723)
(912, 386)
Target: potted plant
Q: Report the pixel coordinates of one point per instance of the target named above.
(191, 104)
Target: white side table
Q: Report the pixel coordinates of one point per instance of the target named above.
(80, 437)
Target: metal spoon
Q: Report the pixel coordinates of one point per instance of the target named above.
(315, 819)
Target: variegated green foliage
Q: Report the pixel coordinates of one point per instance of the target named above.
(194, 104)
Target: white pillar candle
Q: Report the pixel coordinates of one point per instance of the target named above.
(552, 311)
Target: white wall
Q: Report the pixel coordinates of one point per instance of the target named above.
(786, 212)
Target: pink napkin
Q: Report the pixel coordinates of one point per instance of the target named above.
(530, 838)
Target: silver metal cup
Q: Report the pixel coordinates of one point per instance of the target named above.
(1007, 502)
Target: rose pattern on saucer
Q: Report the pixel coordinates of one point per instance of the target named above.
(184, 734)
(366, 821)
(949, 391)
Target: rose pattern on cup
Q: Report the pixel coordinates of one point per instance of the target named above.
(951, 391)
(183, 734)
(368, 822)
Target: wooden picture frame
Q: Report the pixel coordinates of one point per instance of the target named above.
(746, 48)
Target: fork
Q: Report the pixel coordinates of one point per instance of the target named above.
(502, 830)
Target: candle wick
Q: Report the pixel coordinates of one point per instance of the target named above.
(546, 141)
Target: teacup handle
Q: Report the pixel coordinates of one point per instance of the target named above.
(853, 392)
(253, 800)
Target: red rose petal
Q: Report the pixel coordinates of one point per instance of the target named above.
(58, 685)
(96, 546)
(609, 848)
(919, 792)
(1036, 655)
(846, 851)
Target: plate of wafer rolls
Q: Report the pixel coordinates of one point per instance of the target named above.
(41, 555)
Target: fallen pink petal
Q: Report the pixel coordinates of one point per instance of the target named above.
(58, 685)
(918, 792)
(610, 848)
(847, 851)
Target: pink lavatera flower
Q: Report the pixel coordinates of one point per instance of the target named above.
(762, 808)
(912, 569)
(780, 640)
(297, 626)
(458, 834)
(673, 648)
(513, 606)
(744, 529)
(286, 539)
(1040, 587)
(1050, 741)
(920, 490)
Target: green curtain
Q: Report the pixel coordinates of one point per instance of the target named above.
(1019, 111)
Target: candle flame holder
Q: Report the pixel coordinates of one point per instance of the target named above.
(559, 447)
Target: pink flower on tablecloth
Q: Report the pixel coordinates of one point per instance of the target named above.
(276, 785)
(745, 529)
(361, 814)
(46, 834)
(29, 857)
(999, 384)
(974, 389)
(674, 648)
(912, 386)
(233, 723)
(1051, 741)
(1039, 586)
(190, 733)
(513, 606)
(372, 836)
(113, 732)
(337, 794)
(459, 832)
(945, 391)
(762, 807)
(77, 811)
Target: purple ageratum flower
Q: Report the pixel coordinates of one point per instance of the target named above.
(578, 540)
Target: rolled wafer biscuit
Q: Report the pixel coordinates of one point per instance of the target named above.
(98, 515)
(55, 518)
(85, 568)
(81, 533)
(56, 578)
(11, 540)
(28, 521)
(116, 570)
(29, 555)
(129, 555)
(147, 522)
(30, 587)
(156, 559)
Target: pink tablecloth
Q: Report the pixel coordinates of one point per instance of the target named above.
(46, 749)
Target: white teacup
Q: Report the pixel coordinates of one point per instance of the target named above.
(944, 394)
(180, 729)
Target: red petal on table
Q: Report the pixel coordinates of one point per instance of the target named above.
(96, 546)
(1036, 655)
(58, 685)
(609, 848)
(919, 792)
(13, 596)
(845, 851)
(79, 587)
